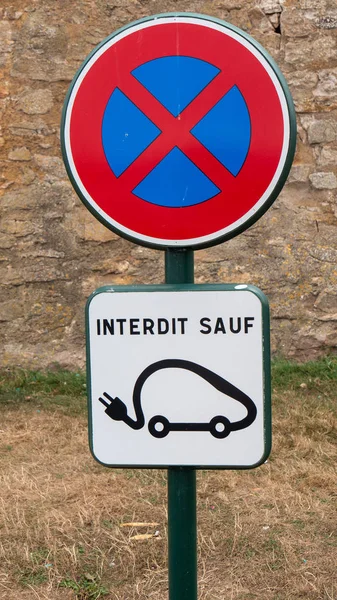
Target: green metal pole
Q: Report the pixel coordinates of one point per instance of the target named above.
(182, 512)
(179, 266)
(182, 534)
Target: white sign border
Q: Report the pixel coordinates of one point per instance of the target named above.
(266, 365)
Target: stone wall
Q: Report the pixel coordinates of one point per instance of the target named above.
(54, 253)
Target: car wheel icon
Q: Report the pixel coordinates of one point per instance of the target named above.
(219, 427)
(159, 426)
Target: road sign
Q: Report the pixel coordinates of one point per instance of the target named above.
(178, 131)
(179, 375)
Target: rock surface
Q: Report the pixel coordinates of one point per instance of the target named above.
(53, 253)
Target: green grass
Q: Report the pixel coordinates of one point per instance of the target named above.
(66, 390)
(85, 588)
(60, 389)
(289, 375)
(33, 577)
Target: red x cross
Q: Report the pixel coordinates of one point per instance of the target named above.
(175, 131)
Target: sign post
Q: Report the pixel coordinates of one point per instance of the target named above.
(178, 133)
(181, 481)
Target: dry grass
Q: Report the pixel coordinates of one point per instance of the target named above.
(267, 534)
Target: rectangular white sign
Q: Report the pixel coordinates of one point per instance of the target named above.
(179, 375)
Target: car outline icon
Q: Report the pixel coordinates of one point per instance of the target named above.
(219, 426)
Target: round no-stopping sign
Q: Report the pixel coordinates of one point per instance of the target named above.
(178, 131)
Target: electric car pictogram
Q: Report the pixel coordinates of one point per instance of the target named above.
(159, 426)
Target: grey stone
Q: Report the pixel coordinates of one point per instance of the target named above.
(6, 241)
(81, 223)
(6, 42)
(296, 23)
(323, 130)
(327, 301)
(37, 102)
(323, 181)
(18, 227)
(324, 254)
(19, 199)
(299, 174)
(302, 84)
(11, 310)
(51, 164)
(327, 157)
(275, 20)
(303, 80)
(27, 176)
(28, 66)
(20, 154)
(270, 7)
(311, 52)
(39, 270)
(259, 22)
(12, 14)
(30, 129)
(313, 4)
(327, 85)
(44, 33)
(41, 51)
